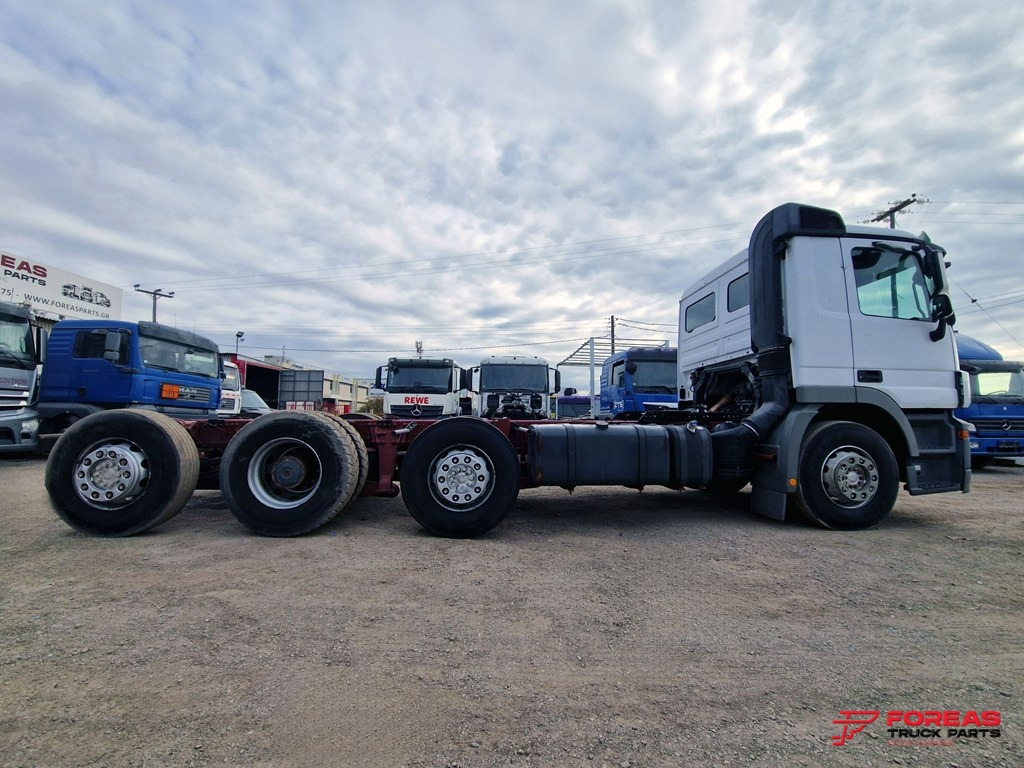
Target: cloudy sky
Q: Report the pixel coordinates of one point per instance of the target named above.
(341, 179)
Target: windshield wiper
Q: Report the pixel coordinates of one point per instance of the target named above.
(20, 361)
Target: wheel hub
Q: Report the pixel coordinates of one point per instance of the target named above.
(110, 475)
(850, 476)
(288, 472)
(284, 473)
(461, 477)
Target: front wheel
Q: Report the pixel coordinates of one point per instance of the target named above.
(460, 478)
(848, 477)
(121, 472)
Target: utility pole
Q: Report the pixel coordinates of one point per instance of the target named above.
(419, 348)
(156, 294)
(613, 334)
(890, 213)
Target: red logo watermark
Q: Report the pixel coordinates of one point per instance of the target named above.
(914, 727)
(853, 722)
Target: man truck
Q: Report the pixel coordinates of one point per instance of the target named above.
(819, 368)
(513, 387)
(98, 365)
(636, 379)
(997, 402)
(427, 388)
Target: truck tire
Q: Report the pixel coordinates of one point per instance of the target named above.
(288, 473)
(460, 478)
(357, 442)
(848, 477)
(121, 472)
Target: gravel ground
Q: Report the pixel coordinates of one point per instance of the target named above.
(602, 628)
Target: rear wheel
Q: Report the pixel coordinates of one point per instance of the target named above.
(288, 473)
(460, 478)
(848, 477)
(360, 447)
(117, 473)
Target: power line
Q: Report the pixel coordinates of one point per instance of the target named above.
(975, 302)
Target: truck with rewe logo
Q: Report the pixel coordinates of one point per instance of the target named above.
(997, 402)
(422, 388)
(818, 364)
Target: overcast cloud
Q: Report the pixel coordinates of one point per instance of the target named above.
(339, 180)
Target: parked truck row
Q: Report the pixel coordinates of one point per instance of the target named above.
(509, 386)
(817, 366)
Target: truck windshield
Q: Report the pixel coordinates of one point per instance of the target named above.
(655, 377)
(998, 386)
(16, 346)
(514, 378)
(416, 378)
(184, 358)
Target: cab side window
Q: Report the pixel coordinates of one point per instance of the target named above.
(891, 284)
(92, 345)
(700, 312)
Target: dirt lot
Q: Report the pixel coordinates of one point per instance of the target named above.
(606, 628)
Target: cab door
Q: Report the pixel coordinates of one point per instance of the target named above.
(900, 345)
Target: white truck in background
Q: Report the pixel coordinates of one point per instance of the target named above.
(514, 387)
(22, 347)
(423, 388)
(230, 391)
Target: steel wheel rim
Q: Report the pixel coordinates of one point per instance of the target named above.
(850, 476)
(111, 474)
(461, 478)
(284, 473)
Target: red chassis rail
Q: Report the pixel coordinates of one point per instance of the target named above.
(386, 441)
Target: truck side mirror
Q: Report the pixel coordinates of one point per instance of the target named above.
(932, 266)
(558, 380)
(42, 344)
(377, 382)
(465, 378)
(942, 313)
(112, 347)
(570, 391)
(630, 367)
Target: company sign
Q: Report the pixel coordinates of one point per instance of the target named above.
(53, 291)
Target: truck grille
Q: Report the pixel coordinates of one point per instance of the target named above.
(1001, 426)
(13, 400)
(423, 411)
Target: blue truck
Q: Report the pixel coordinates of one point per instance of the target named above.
(997, 402)
(97, 365)
(637, 378)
